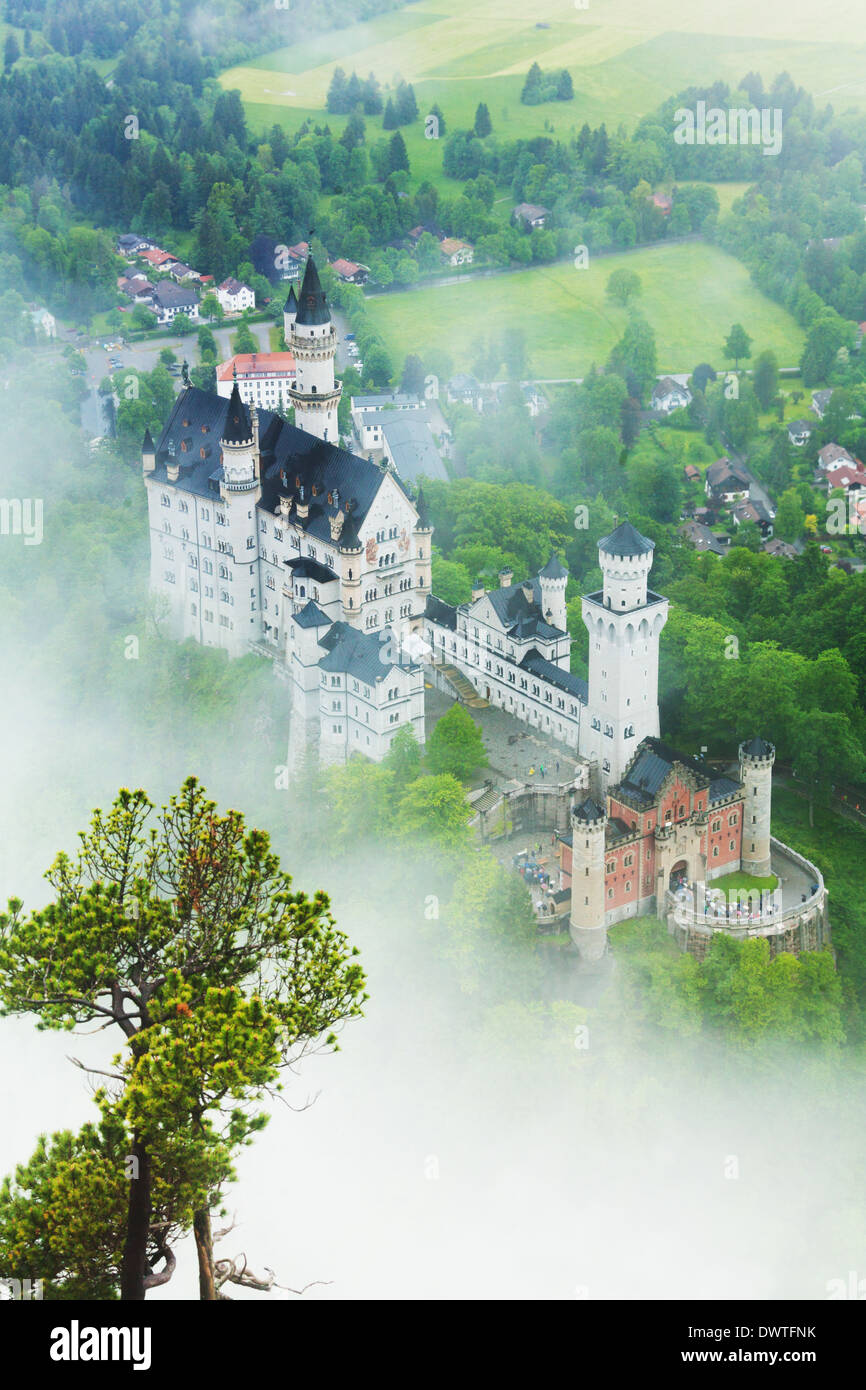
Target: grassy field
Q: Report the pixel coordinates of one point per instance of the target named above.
(625, 57)
(738, 882)
(692, 293)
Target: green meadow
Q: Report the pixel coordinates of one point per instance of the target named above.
(625, 56)
(691, 294)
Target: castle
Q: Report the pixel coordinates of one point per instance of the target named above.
(271, 537)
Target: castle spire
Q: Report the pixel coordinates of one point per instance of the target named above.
(312, 306)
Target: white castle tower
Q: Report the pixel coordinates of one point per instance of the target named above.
(624, 621)
(552, 581)
(756, 774)
(586, 924)
(312, 339)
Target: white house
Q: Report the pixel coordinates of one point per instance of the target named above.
(455, 251)
(368, 410)
(669, 395)
(799, 432)
(264, 378)
(44, 322)
(169, 300)
(234, 297)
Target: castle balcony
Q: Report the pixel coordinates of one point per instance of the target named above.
(803, 892)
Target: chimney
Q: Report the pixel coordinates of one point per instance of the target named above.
(336, 524)
(303, 507)
(506, 577)
(477, 589)
(527, 591)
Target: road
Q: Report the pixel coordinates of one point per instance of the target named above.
(144, 356)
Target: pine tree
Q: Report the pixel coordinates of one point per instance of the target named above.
(398, 157)
(407, 106)
(531, 93)
(564, 86)
(336, 99)
(389, 120)
(11, 51)
(483, 124)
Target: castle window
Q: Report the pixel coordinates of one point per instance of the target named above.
(628, 861)
(628, 887)
(731, 844)
(610, 892)
(716, 826)
(165, 499)
(733, 818)
(611, 867)
(715, 851)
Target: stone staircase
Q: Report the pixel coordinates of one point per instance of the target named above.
(463, 688)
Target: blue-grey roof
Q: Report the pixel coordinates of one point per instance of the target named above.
(411, 445)
(651, 764)
(360, 654)
(625, 540)
(758, 748)
(554, 569)
(588, 810)
(312, 308)
(445, 614)
(305, 568)
(291, 459)
(554, 675)
(311, 615)
(723, 787)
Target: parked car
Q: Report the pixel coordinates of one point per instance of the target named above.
(350, 338)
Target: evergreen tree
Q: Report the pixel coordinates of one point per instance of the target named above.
(564, 86)
(336, 101)
(11, 51)
(407, 106)
(531, 93)
(389, 120)
(436, 111)
(483, 124)
(398, 157)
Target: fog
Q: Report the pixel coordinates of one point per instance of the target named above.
(454, 1146)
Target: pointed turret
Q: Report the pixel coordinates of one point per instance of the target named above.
(312, 307)
(423, 522)
(290, 311)
(148, 453)
(238, 427)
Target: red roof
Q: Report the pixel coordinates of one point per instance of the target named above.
(157, 257)
(257, 364)
(847, 476)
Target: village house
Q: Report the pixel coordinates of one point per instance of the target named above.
(184, 274)
(350, 272)
(799, 432)
(781, 549)
(455, 251)
(169, 300)
(234, 296)
(820, 401)
(754, 511)
(369, 411)
(701, 538)
(530, 215)
(727, 482)
(669, 395)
